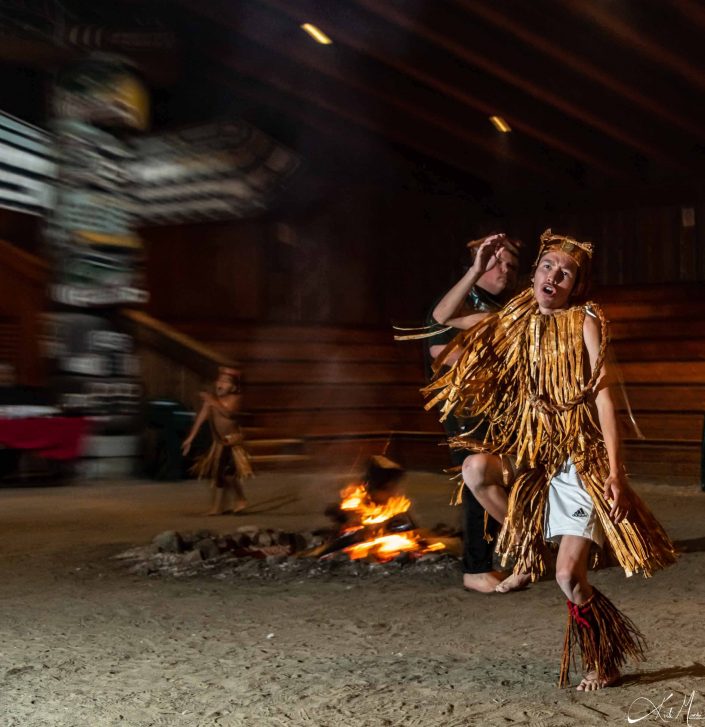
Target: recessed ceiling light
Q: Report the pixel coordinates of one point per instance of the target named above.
(318, 35)
(500, 124)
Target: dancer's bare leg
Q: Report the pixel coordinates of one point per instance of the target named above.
(483, 475)
(239, 499)
(571, 575)
(218, 495)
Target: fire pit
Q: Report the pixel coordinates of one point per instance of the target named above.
(373, 532)
(375, 521)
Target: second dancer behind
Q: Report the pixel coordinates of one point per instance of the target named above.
(488, 283)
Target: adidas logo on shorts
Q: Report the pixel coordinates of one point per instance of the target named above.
(580, 513)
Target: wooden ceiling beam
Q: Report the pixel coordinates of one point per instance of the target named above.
(630, 37)
(361, 43)
(408, 135)
(692, 11)
(496, 15)
(489, 65)
(389, 165)
(316, 120)
(408, 104)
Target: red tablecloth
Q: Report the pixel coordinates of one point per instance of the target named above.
(51, 437)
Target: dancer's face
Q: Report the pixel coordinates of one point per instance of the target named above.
(502, 276)
(224, 385)
(554, 279)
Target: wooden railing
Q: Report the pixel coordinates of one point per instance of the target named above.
(173, 364)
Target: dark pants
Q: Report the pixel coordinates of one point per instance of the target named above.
(477, 552)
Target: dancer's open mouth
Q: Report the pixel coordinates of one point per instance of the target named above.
(548, 289)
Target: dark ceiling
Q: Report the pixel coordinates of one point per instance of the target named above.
(604, 97)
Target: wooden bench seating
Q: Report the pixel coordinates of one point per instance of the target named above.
(658, 335)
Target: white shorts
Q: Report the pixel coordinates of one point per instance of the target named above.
(570, 510)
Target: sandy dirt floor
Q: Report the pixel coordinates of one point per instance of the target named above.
(84, 642)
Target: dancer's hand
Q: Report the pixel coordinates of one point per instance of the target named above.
(186, 446)
(618, 492)
(487, 253)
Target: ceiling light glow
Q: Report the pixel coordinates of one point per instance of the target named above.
(318, 35)
(500, 124)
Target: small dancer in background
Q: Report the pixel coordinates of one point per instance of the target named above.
(226, 462)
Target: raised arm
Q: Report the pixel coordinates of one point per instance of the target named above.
(449, 310)
(616, 486)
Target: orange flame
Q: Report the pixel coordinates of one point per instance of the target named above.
(356, 499)
(383, 548)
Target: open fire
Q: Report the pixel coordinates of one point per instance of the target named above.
(374, 532)
(375, 520)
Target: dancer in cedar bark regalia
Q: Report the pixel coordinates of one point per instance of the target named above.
(227, 462)
(536, 372)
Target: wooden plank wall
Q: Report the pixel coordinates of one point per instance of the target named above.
(306, 304)
(349, 392)
(360, 260)
(368, 258)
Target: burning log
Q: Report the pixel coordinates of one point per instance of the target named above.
(375, 520)
(375, 533)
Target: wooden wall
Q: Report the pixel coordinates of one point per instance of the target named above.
(363, 258)
(368, 257)
(643, 245)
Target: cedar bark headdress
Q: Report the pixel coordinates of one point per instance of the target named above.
(580, 252)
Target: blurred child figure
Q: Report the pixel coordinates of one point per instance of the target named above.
(226, 462)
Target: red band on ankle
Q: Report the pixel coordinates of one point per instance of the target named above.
(576, 613)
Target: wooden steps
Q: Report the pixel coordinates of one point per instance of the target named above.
(663, 372)
(658, 335)
(326, 372)
(318, 422)
(263, 350)
(275, 452)
(651, 329)
(297, 395)
(663, 458)
(651, 349)
(339, 390)
(275, 461)
(667, 397)
(249, 331)
(668, 426)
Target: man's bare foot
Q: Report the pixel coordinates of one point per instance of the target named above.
(239, 506)
(590, 682)
(215, 513)
(481, 582)
(515, 582)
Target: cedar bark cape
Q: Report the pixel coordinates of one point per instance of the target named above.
(527, 374)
